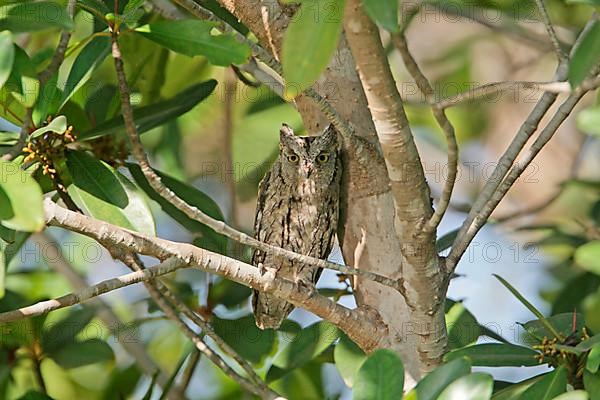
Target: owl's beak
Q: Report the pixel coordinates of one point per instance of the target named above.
(307, 170)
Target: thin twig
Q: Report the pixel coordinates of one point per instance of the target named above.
(485, 199)
(190, 368)
(229, 100)
(43, 307)
(442, 120)
(551, 32)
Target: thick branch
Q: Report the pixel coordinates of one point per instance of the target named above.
(444, 123)
(367, 333)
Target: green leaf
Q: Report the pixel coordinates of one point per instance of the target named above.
(29, 16)
(64, 331)
(96, 6)
(47, 102)
(463, 328)
(528, 305)
(593, 359)
(588, 120)
(306, 345)
(575, 395)
(123, 382)
(515, 390)
(548, 387)
(194, 37)
(591, 382)
(561, 323)
(475, 386)
(383, 12)
(445, 241)
(348, 359)
(7, 56)
(245, 338)
(77, 354)
(588, 256)
(594, 3)
(309, 43)
(381, 377)
(434, 383)
(496, 355)
(156, 114)
(33, 395)
(90, 57)
(227, 293)
(57, 125)
(586, 56)
(20, 199)
(106, 194)
(193, 197)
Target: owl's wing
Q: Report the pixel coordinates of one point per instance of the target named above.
(259, 256)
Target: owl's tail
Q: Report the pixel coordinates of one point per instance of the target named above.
(270, 311)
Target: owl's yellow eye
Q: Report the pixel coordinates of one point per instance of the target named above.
(323, 158)
(293, 158)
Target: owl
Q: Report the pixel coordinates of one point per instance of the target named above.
(297, 209)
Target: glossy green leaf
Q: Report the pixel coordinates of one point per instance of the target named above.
(245, 338)
(496, 355)
(33, 395)
(10, 243)
(90, 57)
(380, 377)
(78, 354)
(463, 328)
(95, 6)
(228, 293)
(515, 390)
(591, 382)
(309, 43)
(475, 386)
(47, 104)
(434, 383)
(194, 37)
(106, 194)
(594, 3)
(383, 12)
(564, 324)
(29, 16)
(306, 345)
(348, 359)
(593, 359)
(575, 395)
(7, 56)
(588, 120)
(588, 256)
(156, 114)
(548, 387)
(446, 240)
(63, 332)
(20, 199)
(586, 56)
(57, 125)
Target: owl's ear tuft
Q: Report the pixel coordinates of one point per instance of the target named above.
(331, 131)
(286, 131)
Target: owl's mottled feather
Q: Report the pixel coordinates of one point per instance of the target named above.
(298, 206)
